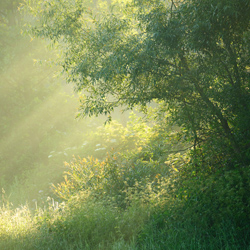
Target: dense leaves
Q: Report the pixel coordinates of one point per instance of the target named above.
(193, 55)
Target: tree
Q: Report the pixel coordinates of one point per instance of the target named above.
(192, 55)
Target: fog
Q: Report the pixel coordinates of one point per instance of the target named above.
(38, 128)
(39, 131)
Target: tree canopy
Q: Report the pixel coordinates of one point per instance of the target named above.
(191, 55)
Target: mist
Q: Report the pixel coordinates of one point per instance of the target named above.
(38, 128)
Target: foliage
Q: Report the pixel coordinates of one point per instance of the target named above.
(123, 170)
(178, 179)
(93, 215)
(191, 54)
(136, 201)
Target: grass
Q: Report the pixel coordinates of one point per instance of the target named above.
(129, 201)
(85, 222)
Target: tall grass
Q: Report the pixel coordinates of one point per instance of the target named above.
(129, 200)
(152, 219)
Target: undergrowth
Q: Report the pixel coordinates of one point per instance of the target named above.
(155, 197)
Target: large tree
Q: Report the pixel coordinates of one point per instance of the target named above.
(193, 55)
